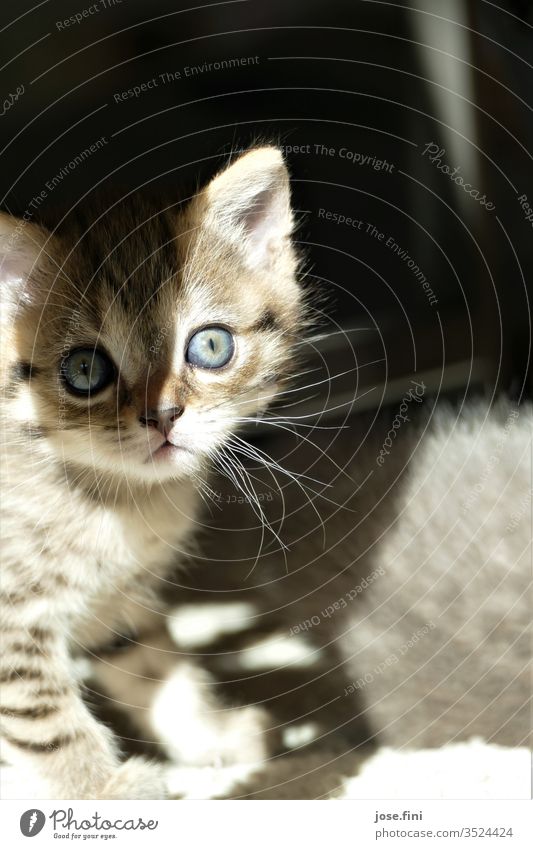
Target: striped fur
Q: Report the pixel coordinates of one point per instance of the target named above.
(91, 520)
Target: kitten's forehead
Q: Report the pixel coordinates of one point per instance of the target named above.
(125, 262)
(128, 251)
(148, 275)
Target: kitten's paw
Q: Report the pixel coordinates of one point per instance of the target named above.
(136, 779)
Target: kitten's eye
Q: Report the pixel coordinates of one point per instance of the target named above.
(211, 347)
(86, 371)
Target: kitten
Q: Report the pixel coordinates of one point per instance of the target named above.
(135, 337)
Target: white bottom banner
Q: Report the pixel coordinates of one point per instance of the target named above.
(262, 825)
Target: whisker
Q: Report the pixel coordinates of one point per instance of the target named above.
(342, 331)
(267, 462)
(310, 442)
(263, 520)
(331, 409)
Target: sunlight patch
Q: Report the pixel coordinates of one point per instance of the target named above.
(278, 651)
(197, 731)
(195, 625)
(299, 735)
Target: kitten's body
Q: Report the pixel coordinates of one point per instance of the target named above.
(75, 586)
(100, 490)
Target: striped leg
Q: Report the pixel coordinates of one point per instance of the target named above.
(47, 728)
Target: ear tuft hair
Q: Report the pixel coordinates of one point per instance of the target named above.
(248, 204)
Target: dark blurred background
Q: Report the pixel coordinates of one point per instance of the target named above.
(355, 91)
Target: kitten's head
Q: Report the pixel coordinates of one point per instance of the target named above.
(137, 336)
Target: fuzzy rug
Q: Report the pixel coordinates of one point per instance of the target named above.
(472, 770)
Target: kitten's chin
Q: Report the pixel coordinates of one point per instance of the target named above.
(169, 461)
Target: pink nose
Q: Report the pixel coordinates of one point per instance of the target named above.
(162, 420)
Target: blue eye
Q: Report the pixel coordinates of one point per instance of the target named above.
(211, 347)
(86, 371)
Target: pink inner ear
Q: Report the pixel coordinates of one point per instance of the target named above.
(14, 271)
(22, 247)
(266, 221)
(16, 265)
(262, 221)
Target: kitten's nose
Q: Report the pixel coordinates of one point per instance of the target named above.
(162, 419)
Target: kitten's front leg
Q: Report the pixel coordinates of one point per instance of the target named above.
(48, 729)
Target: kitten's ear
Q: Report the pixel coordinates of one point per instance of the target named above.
(248, 204)
(21, 248)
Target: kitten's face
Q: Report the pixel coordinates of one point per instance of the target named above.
(160, 330)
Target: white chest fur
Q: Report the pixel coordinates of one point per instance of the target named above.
(66, 552)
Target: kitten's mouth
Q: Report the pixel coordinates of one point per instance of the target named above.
(167, 451)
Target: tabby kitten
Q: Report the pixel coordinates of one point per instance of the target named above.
(130, 348)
